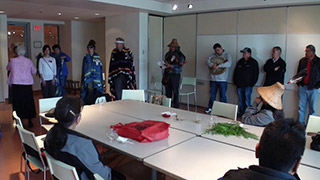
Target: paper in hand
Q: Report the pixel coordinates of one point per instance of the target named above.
(161, 64)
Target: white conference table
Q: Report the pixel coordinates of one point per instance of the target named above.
(200, 159)
(203, 159)
(147, 111)
(95, 124)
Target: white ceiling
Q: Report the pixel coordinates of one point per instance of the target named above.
(48, 9)
(85, 9)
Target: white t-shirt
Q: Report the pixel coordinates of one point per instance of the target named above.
(48, 68)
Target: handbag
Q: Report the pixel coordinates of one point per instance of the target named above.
(146, 131)
(165, 80)
(315, 144)
(50, 113)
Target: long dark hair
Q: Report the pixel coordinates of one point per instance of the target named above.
(277, 114)
(67, 110)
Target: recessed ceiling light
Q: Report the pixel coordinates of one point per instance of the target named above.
(9, 33)
(174, 7)
(1, 12)
(76, 17)
(96, 14)
(59, 13)
(190, 6)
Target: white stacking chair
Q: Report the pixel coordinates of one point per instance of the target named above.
(46, 104)
(189, 81)
(62, 170)
(28, 138)
(38, 138)
(313, 124)
(166, 101)
(225, 109)
(155, 86)
(101, 99)
(133, 95)
(16, 117)
(19, 123)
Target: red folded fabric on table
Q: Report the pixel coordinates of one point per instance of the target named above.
(146, 131)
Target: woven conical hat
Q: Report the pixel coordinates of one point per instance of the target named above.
(272, 94)
(174, 43)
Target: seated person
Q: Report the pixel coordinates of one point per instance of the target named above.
(279, 152)
(266, 108)
(72, 148)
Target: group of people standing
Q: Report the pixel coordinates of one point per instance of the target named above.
(20, 78)
(269, 102)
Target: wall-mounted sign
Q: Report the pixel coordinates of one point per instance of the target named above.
(37, 27)
(37, 44)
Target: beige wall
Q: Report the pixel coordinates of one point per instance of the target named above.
(263, 21)
(3, 58)
(81, 33)
(182, 28)
(291, 28)
(155, 47)
(133, 27)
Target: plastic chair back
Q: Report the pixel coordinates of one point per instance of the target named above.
(313, 124)
(60, 169)
(192, 81)
(166, 101)
(101, 99)
(16, 117)
(225, 110)
(28, 138)
(48, 103)
(133, 95)
(157, 83)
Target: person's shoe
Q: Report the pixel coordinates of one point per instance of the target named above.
(208, 111)
(30, 124)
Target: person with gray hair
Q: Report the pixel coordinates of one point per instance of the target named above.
(21, 81)
(309, 85)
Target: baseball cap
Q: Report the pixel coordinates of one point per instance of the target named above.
(246, 49)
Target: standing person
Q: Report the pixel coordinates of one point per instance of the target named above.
(275, 68)
(219, 63)
(92, 85)
(245, 77)
(121, 69)
(174, 60)
(62, 69)
(48, 72)
(21, 80)
(14, 55)
(308, 87)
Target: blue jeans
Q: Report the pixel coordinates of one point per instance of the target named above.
(214, 86)
(306, 97)
(244, 98)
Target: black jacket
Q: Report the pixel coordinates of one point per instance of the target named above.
(314, 80)
(258, 173)
(273, 76)
(246, 73)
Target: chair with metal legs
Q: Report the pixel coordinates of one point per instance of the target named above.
(189, 81)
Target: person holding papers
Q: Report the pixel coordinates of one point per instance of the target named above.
(174, 60)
